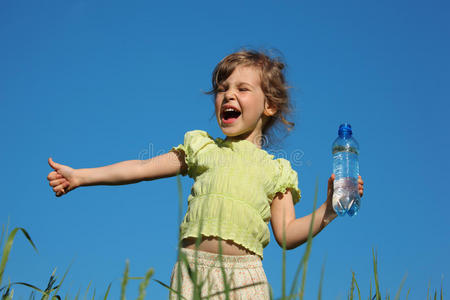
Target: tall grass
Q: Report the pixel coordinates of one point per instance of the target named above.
(297, 290)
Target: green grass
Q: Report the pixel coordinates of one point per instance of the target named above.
(297, 290)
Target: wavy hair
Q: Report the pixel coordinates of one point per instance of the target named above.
(273, 83)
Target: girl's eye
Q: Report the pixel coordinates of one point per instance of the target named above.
(243, 89)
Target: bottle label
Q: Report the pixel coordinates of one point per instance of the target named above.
(345, 148)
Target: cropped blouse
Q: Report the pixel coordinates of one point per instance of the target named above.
(234, 185)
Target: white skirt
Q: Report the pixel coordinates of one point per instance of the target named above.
(244, 275)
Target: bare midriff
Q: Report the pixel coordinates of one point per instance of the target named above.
(211, 244)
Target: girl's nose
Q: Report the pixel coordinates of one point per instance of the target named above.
(230, 95)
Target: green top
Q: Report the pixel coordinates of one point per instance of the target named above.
(235, 183)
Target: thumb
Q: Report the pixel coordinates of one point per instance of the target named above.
(52, 164)
(331, 180)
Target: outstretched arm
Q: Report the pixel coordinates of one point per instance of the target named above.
(283, 217)
(64, 179)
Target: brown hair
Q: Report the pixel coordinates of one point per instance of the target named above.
(273, 83)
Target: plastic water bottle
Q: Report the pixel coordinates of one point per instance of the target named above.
(345, 151)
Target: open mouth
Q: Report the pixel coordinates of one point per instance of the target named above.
(230, 114)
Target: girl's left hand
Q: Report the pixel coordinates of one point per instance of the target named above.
(360, 186)
(330, 187)
(329, 210)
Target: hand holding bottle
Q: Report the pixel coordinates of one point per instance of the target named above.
(330, 213)
(62, 179)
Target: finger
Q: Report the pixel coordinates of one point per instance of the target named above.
(330, 185)
(60, 193)
(57, 182)
(360, 180)
(331, 179)
(53, 175)
(61, 187)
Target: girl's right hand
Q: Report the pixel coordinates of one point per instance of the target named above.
(62, 179)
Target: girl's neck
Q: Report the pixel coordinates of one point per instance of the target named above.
(256, 140)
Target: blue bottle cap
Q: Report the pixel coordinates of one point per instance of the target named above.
(345, 130)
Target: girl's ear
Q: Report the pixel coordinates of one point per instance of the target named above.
(269, 110)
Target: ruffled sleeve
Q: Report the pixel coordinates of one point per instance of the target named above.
(194, 141)
(287, 179)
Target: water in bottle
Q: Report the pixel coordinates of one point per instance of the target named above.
(345, 151)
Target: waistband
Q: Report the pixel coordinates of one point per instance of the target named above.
(227, 261)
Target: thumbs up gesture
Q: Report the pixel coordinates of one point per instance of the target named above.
(62, 179)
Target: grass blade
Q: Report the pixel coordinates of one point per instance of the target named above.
(45, 293)
(77, 295)
(224, 277)
(62, 280)
(296, 276)
(180, 216)
(24, 284)
(322, 272)
(107, 292)
(397, 295)
(144, 284)
(170, 289)
(124, 281)
(87, 290)
(8, 246)
(375, 271)
(307, 251)
(407, 294)
(352, 286)
(309, 242)
(8, 294)
(357, 287)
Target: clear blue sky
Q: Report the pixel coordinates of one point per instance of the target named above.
(91, 83)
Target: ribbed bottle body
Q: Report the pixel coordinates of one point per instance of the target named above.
(345, 150)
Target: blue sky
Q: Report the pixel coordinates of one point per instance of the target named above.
(91, 83)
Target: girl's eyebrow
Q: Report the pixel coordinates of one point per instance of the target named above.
(239, 83)
(244, 83)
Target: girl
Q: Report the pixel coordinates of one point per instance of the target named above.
(238, 186)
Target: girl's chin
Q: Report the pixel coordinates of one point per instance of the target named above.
(230, 132)
(234, 134)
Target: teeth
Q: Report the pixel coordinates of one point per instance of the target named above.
(230, 109)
